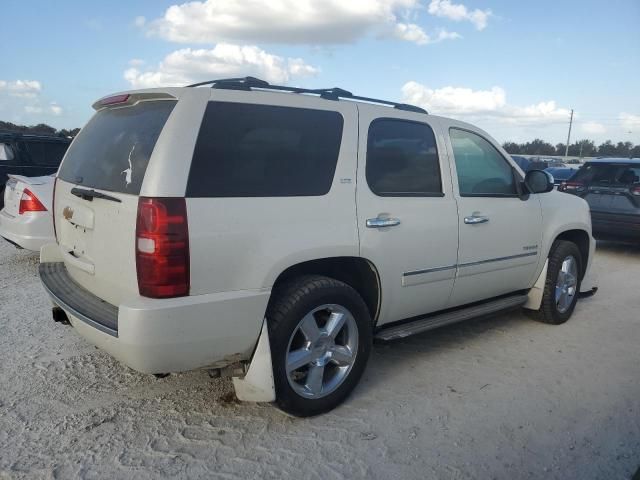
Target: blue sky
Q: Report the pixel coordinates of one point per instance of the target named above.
(514, 68)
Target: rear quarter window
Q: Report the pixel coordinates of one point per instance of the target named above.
(249, 150)
(112, 151)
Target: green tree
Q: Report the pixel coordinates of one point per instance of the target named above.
(607, 149)
(539, 147)
(512, 148)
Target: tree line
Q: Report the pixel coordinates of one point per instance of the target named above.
(581, 148)
(40, 129)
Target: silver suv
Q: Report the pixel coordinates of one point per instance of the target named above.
(270, 233)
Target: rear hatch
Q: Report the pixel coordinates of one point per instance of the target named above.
(96, 195)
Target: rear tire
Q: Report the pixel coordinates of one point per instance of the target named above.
(320, 332)
(562, 285)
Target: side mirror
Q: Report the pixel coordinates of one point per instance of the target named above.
(538, 181)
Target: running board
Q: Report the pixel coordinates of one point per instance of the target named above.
(424, 324)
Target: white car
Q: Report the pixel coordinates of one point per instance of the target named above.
(26, 219)
(271, 233)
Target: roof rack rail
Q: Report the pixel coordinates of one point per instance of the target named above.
(335, 93)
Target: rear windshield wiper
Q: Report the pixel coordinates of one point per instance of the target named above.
(91, 194)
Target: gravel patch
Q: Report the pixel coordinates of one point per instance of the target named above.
(504, 397)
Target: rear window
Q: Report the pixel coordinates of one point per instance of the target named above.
(248, 150)
(608, 174)
(112, 151)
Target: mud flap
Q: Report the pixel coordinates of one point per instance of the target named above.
(257, 385)
(534, 299)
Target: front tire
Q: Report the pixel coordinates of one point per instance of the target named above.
(320, 332)
(562, 285)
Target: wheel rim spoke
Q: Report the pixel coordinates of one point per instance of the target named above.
(341, 355)
(314, 379)
(309, 328)
(566, 284)
(312, 348)
(335, 323)
(299, 358)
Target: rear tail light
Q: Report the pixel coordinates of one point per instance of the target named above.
(635, 191)
(162, 247)
(30, 203)
(576, 187)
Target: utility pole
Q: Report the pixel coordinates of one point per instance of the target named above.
(566, 149)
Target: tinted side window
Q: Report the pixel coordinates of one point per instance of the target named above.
(6, 152)
(249, 150)
(55, 152)
(482, 170)
(402, 159)
(608, 174)
(36, 151)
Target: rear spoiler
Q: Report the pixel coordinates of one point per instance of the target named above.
(129, 99)
(31, 180)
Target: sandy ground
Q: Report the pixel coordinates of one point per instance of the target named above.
(500, 398)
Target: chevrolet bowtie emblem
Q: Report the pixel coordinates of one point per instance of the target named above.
(67, 213)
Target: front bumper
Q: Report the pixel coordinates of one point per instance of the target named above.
(163, 335)
(30, 231)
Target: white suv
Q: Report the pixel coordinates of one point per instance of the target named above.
(271, 233)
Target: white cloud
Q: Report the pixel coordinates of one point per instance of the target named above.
(414, 33)
(593, 128)
(188, 65)
(460, 101)
(459, 12)
(630, 122)
(285, 21)
(21, 88)
(140, 21)
(55, 109)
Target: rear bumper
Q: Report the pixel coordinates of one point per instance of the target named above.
(607, 225)
(30, 231)
(167, 335)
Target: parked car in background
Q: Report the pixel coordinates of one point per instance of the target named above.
(271, 236)
(522, 162)
(29, 155)
(560, 174)
(26, 220)
(611, 186)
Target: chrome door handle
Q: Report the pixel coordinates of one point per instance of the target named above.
(475, 219)
(382, 222)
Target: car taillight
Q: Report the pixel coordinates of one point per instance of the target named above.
(30, 203)
(53, 208)
(572, 187)
(162, 247)
(635, 190)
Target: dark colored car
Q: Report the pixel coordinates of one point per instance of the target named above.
(611, 186)
(29, 155)
(560, 174)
